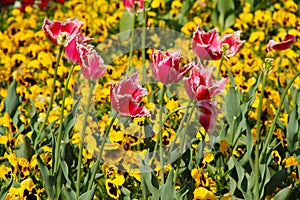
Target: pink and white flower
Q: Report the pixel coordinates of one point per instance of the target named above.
(208, 45)
(62, 32)
(77, 44)
(286, 43)
(126, 95)
(200, 84)
(92, 65)
(166, 66)
(207, 115)
(134, 5)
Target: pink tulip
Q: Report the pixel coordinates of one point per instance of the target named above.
(208, 46)
(92, 65)
(134, 5)
(77, 44)
(234, 43)
(200, 84)
(62, 33)
(286, 43)
(207, 115)
(166, 67)
(126, 95)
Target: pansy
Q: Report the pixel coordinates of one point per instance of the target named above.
(126, 95)
(166, 66)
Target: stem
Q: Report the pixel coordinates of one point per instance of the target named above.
(259, 110)
(59, 136)
(221, 63)
(270, 133)
(131, 46)
(161, 158)
(101, 151)
(144, 69)
(53, 90)
(182, 142)
(92, 85)
(181, 124)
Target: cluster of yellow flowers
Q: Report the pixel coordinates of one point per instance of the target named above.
(27, 57)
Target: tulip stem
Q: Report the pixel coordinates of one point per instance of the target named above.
(131, 46)
(144, 69)
(259, 110)
(59, 136)
(92, 85)
(161, 157)
(61, 48)
(220, 66)
(184, 135)
(271, 130)
(101, 151)
(181, 124)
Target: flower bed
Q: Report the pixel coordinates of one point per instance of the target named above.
(149, 100)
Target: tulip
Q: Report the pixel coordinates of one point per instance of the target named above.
(208, 46)
(286, 43)
(126, 95)
(134, 5)
(200, 84)
(77, 44)
(62, 33)
(92, 65)
(234, 43)
(166, 66)
(207, 115)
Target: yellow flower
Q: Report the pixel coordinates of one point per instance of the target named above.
(224, 148)
(112, 190)
(290, 161)
(189, 28)
(160, 4)
(202, 193)
(276, 156)
(208, 158)
(5, 172)
(5, 120)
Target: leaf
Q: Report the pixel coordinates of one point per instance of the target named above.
(231, 77)
(25, 149)
(275, 181)
(12, 100)
(148, 177)
(5, 189)
(126, 24)
(125, 191)
(229, 21)
(46, 178)
(232, 108)
(70, 120)
(283, 194)
(224, 6)
(292, 127)
(88, 195)
(67, 194)
(68, 176)
(167, 191)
